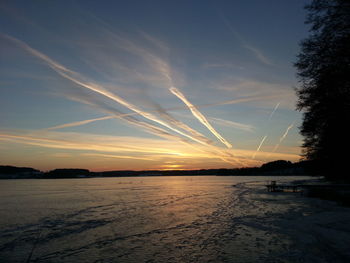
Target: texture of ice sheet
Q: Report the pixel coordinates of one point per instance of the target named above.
(167, 219)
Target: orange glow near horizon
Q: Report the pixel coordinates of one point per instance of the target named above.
(119, 97)
(46, 150)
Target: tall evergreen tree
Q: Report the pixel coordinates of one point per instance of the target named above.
(323, 68)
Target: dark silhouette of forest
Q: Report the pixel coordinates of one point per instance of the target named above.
(279, 167)
(323, 67)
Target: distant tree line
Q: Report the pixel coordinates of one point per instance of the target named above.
(7, 171)
(279, 167)
(67, 173)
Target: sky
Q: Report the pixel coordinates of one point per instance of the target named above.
(142, 85)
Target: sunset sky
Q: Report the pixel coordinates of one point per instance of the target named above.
(136, 85)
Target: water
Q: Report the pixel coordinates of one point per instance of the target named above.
(130, 219)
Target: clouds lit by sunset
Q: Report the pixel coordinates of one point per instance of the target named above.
(136, 85)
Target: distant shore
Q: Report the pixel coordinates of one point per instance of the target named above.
(279, 167)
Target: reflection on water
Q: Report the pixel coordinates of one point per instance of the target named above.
(130, 219)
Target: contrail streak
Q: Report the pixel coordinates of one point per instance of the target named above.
(79, 123)
(219, 153)
(239, 100)
(262, 141)
(258, 149)
(283, 137)
(196, 113)
(118, 156)
(163, 113)
(84, 82)
(131, 119)
(234, 101)
(233, 124)
(276, 107)
(286, 132)
(110, 144)
(77, 144)
(78, 79)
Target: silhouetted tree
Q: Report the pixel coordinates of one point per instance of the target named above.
(323, 67)
(276, 165)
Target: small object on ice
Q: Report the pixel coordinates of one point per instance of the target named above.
(273, 187)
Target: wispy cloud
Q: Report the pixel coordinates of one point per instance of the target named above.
(219, 121)
(124, 147)
(259, 55)
(221, 65)
(196, 113)
(233, 124)
(251, 87)
(163, 113)
(117, 156)
(254, 50)
(127, 77)
(88, 84)
(153, 153)
(90, 142)
(249, 98)
(79, 123)
(210, 149)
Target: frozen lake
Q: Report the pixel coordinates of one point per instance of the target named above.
(134, 219)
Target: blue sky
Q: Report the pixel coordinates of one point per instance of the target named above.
(149, 84)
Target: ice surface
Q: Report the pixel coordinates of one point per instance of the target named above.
(167, 219)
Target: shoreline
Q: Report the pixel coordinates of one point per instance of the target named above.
(290, 227)
(145, 176)
(279, 167)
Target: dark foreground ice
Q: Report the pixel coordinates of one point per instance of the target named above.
(167, 219)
